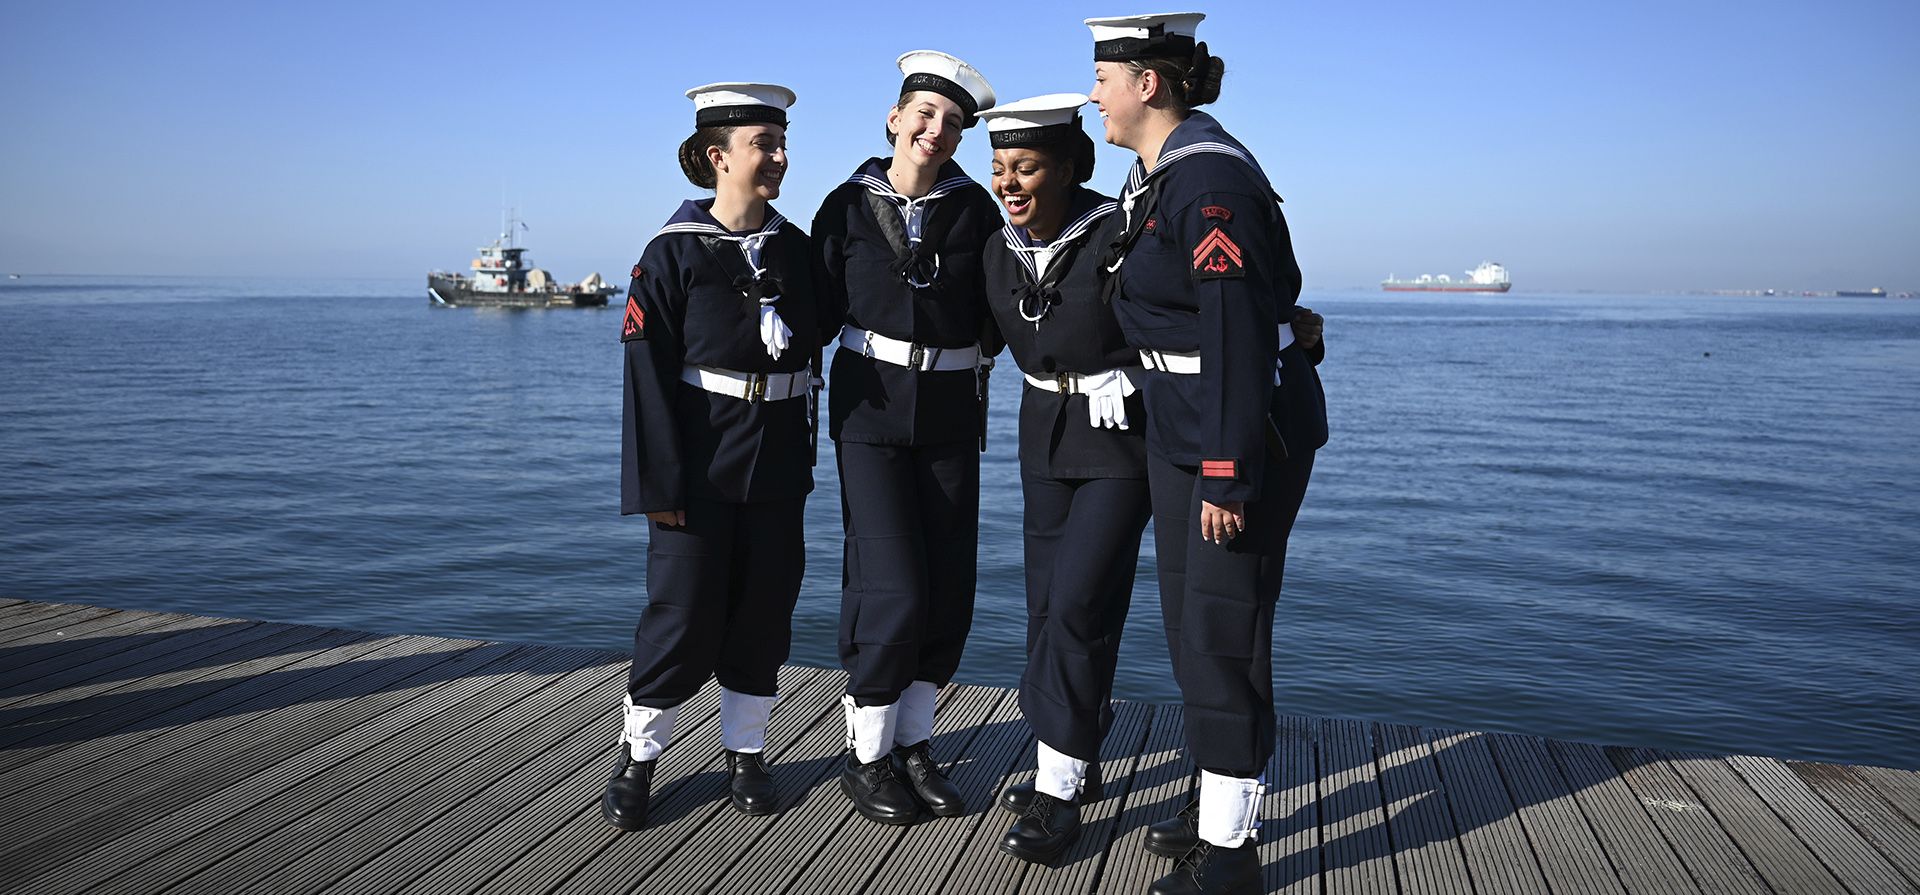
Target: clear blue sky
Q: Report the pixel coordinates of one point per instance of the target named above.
(1628, 146)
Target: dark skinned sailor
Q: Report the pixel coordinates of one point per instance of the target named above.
(720, 333)
(898, 251)
(1203, 276)
(1082, 451)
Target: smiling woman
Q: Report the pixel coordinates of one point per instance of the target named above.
(720, 336)
(898, 247)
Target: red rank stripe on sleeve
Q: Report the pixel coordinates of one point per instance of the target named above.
(1219, 469)
(1217, 255)
(636, 325)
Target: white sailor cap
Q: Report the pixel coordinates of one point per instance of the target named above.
(949, 77)
(1035, 121)
(1168, 35)
(728, 103)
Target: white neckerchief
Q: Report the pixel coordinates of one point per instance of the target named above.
(774, 333)
(1036, 259)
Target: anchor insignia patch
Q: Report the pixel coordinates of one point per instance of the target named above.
(1217, 256)
(636, 325)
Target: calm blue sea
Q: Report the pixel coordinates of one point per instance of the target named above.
(1678, 521)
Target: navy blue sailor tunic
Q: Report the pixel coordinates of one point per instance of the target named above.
(1206, 274)
(906, 440)
(1085, 488)
(721, 588)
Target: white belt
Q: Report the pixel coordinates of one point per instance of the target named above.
(747, 386)
(925, 358)
(1184, 362)
(1170, 361)
(1064, 383)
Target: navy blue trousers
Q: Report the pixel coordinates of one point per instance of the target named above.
(720, 595)
(1217, 604)
(912, 520)
(1083, 544)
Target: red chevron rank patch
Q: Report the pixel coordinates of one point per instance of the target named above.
(636, 325)
(1220, 469)
(1217, 256)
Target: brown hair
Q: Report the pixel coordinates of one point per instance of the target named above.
(1196, 83)
(693, 154)
(900, 106)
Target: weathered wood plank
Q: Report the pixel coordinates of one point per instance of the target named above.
(1290, 853)
(343, 697)
(1901, 789)
(1359, 859)
(1161, 784)
(979, 867)
(169, 700)
(1419, 822)
(1498, 855)
(1849, 857)
(1872, 816)
(55, 625)
(197, 651)
(43, 667)
(451, 794)
(280, 792)
(455, 736)
(1781, 858)
(808, 851)
(30, 623)
(1710, 855)
(1570, 856)
(1645, 863)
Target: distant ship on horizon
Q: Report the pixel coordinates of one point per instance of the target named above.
(1490, 276)
(502, 277)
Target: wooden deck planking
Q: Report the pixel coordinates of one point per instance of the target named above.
(391, 783)
(1498, 855)
(1645, 863)
(1786, 863)
(1571, 857)
(155, 752)
(1852, 859)
(135, 800)
(1359, 858)
(279, 793)
(1426, 854)
(1870, 815)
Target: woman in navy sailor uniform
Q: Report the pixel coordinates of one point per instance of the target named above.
(1082, 452)
(721, 336)
(1203, 277)
(898, 252)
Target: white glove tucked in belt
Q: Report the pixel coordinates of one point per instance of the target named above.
(1107, 398)
(773, 331)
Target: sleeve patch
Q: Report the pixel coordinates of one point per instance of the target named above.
(1150, 225)
(1220, 469)
(1217, 256)
(636, 325)
(1217, 213)
(638, 271)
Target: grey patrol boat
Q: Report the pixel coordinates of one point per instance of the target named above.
(502, 277)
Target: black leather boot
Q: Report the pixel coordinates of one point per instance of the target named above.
(1212, 870)
(1043, 831)
(922, 773)
(876, 793)
(749, 783)
(1174, 837)
(1017, 797)
(624, 803)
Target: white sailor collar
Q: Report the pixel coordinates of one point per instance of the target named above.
(873, 176)
(1089, 208)
(1199, 134)
(696, 216)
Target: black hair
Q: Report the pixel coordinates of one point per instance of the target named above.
(693, 154)
(1194, 83)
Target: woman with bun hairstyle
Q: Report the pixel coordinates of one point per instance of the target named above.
(721, 335)
(1083, 466)
(1203, 278)
(897, 248)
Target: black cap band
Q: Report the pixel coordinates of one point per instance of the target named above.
(944, 87)
(1156, 45)
(1034, 137)
(725, 116)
